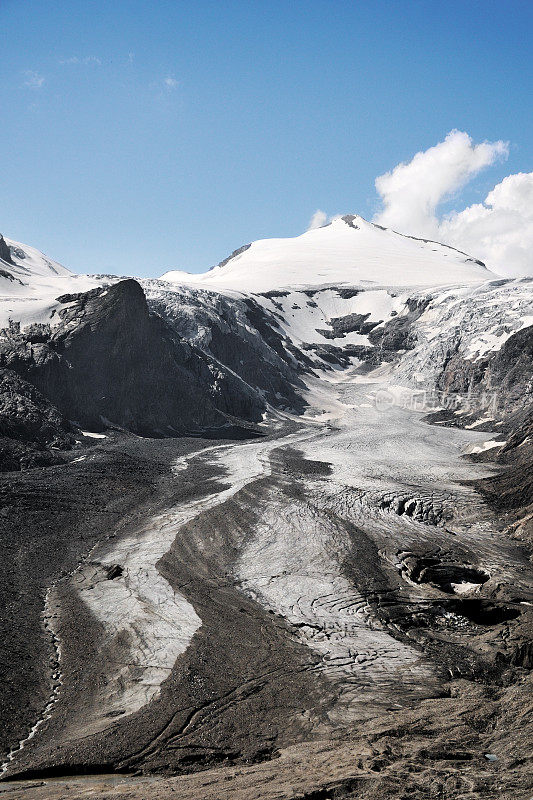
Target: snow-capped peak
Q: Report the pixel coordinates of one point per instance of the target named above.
(29, 262)
(30, 282)
(348, 251)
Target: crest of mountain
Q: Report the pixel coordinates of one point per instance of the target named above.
(30, 283)
(348, 252)
(253, 329)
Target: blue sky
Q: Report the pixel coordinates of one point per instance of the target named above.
(139, 136)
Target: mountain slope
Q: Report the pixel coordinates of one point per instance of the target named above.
(30, 282)
(348, 252)
(111, 362)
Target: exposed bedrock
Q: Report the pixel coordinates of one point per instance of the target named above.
(112, 362)
(501, 380)
(5, 252)
(29, 425)
(239, 335)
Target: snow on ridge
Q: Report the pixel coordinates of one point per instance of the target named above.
(348, 252)
(30, 261)
(30, 293)
(348, 267)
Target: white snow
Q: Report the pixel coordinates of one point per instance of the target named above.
(92, 435)
(37, 282)
(496, 336)
(481, 448)
(339, 254)
(465, 587)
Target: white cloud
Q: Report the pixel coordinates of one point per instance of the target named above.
(318, 219)
(33, 79)
(499, 231)
(170, 82)
(412, 191)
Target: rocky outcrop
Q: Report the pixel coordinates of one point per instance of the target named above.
(235, 253)
(351, 323)
(510, 491)
(112, 362)
(239, 335)
(5, 252)
(398, 333)
(503, 378)
(29, 425)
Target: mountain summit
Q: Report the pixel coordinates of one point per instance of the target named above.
(348, 251)
(30, 282)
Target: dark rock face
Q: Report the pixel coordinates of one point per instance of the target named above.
(351, 323)
(235, 253)
(112, 362)
(241, 336)
(510, 492)
(5, 252)
(29, 424)
(499, 384)
(503, 378)
(349, 220)
(397, 334)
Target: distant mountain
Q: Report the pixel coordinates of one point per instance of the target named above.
(30, 282)
(250, 336)
(348, 252)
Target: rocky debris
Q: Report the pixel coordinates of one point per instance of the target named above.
(29, 425)
(481, 612)
(441, 573)
(510, 492)
(349, 220)
(49, 521)
(437, 749)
